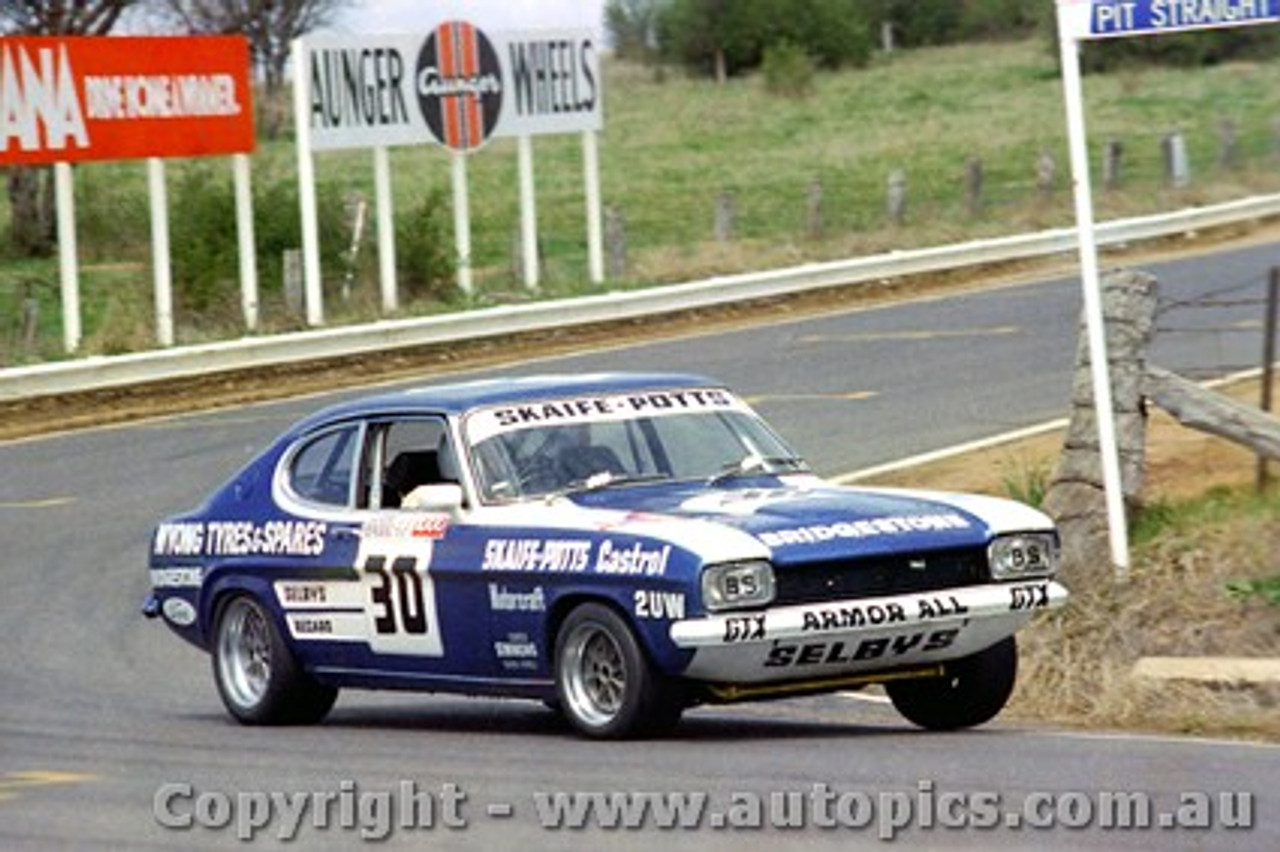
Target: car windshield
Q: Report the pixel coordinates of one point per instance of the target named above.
(551, 447)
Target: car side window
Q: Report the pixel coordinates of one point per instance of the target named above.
(321, 470)
(415, 452)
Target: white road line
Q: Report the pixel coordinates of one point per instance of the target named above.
(949, 452)
(1155, 739)
(1004, 438)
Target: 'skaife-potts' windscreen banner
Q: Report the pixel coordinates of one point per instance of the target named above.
(456, 86)
(112, 98)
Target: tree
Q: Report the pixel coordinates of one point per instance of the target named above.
(632, 26)
(62, 17)
(269, 25)
(31, 198)
(727, 37)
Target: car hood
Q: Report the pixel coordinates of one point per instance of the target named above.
(801, 519)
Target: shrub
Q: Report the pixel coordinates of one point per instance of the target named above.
(424, 259)
(788, 71)
(202, 230)
(205, 244)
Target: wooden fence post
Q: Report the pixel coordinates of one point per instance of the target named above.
(1268, 362)
(897, 202)
(973, 180)
(1046, 175)
(615, 238)
(724, 217)
(1177, 166)
(813, 210)
(1112, 155)
(1076, 497)
(1228, 145)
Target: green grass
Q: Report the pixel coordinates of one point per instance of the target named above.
(1159, 519)
(671, 145)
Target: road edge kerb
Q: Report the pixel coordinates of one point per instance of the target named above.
(1221, 671)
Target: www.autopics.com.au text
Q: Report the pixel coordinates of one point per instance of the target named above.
(376, 814)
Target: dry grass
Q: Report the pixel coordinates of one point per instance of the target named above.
(1203, 528)
(1077, 662)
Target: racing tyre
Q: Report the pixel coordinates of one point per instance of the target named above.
(973, 690)
(607, 687)
(259, 680)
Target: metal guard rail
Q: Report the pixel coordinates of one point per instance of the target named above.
(101, 372)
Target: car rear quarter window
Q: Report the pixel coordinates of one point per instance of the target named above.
(320, 470)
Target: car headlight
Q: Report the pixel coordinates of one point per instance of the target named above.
(1013, 557)
(733, 585)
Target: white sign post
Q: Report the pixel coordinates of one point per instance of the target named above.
(75, 99)
(455, 86)
(68, 255)
(1080, 20)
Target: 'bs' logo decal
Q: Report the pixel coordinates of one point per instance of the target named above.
(459, 85)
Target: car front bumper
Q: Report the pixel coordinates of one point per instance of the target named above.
(859, 636)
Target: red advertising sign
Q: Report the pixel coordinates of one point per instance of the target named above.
(116, 98)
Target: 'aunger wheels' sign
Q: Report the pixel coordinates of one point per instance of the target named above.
(469, 86)
(459, 85)
(77, 99)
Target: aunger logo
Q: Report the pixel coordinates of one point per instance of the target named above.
(459, 84)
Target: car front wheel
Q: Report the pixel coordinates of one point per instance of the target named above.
(607, 687)
(972, 690)
(259, 680)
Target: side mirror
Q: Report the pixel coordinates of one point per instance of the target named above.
(442, 497)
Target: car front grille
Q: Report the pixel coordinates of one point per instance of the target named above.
(893, 574)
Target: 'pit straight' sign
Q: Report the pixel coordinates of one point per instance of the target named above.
(1095, 19)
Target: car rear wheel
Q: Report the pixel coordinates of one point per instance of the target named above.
(259, 680)
(973, 690)
(607, 687)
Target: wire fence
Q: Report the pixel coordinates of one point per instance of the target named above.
(1223, 330)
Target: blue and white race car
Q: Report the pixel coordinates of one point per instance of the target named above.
(619, 546)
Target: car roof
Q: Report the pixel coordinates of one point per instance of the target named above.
(459, 397)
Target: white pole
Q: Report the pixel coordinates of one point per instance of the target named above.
(462, 221)
(1089, 278)
(69, 269)
(591, 179)
(161, 268)
(528, 214)
(248, 247)
(307, 184)
(386, 229)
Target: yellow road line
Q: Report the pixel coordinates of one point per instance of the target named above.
(12, 783)
(46, 503)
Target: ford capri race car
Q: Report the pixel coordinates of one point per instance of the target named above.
(620, 547)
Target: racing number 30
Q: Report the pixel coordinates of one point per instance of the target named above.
(400, 602)
(402, 585)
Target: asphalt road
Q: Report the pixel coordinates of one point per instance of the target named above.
(110, 727)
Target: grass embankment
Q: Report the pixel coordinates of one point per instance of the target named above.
(672, 145)
(1203, 540)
